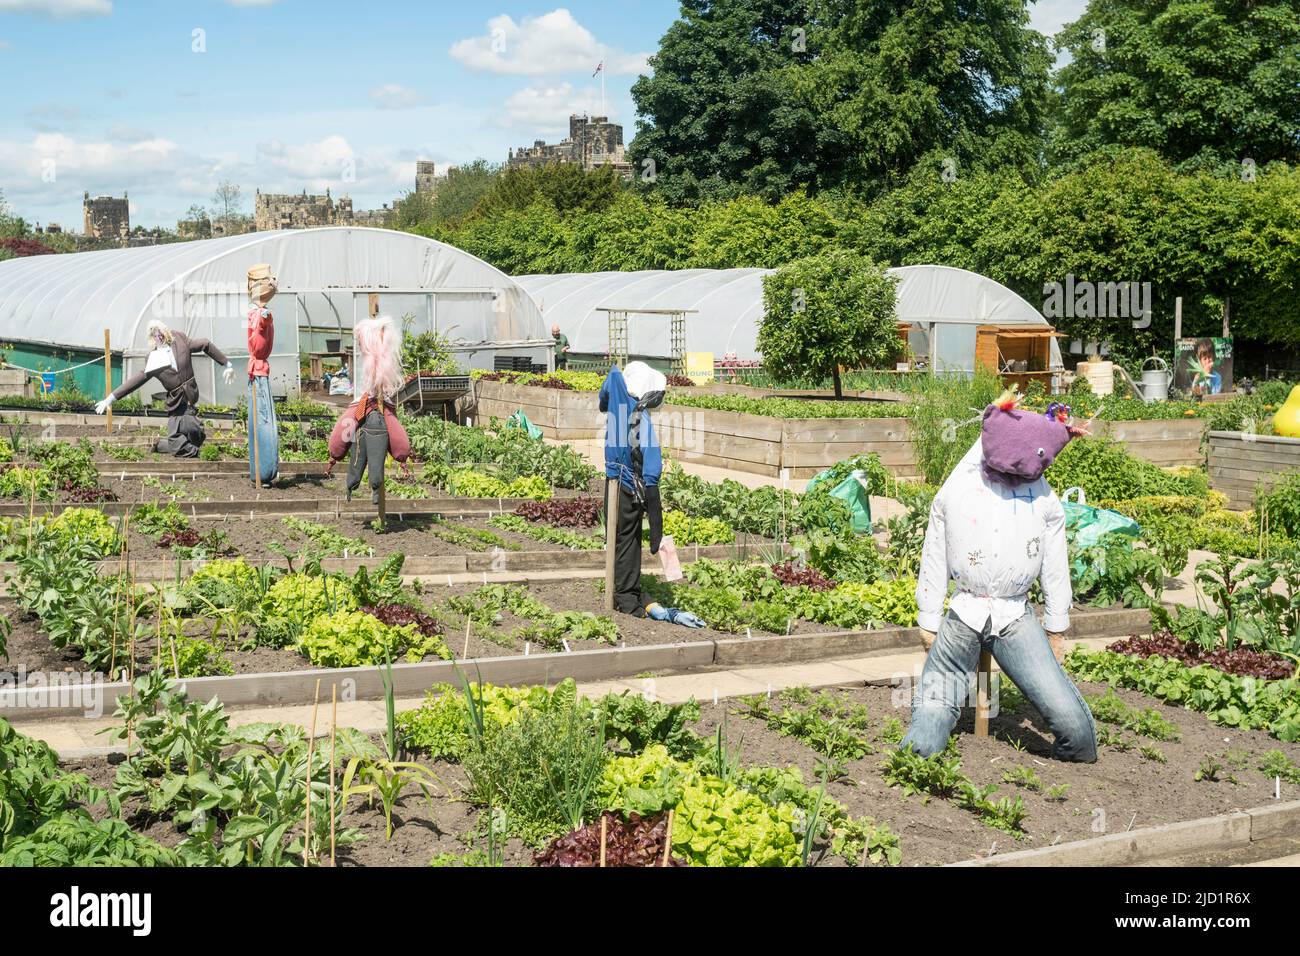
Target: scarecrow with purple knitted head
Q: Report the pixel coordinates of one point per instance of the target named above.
(996, 527)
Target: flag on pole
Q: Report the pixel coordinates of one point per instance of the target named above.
(599, 67)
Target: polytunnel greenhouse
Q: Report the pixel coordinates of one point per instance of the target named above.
(54, 310)
(942, 308)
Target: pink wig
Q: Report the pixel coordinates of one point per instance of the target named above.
(380, 347)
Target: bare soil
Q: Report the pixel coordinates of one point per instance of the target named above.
(260, 538)
(30, 649)
(1121, 791)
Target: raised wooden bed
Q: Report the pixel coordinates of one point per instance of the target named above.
(1169, 443)
(560, 414)
(1240, 462)
(764, 445)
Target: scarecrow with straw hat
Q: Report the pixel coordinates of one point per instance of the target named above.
(995, 528)
(263, 431)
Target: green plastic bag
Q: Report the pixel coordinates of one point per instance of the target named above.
(1086, 525)
(520, 420)
(853, 492)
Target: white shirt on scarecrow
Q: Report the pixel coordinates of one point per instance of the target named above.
(994, 541)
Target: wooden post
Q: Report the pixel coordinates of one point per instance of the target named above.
(1227, 314)
(334, 737)
(1178, 319)
(611, 537)
(983, 684)
(373, 305)
(253, 443)
(108, 384)
(383, 504)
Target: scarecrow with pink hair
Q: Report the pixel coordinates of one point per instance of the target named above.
(369, 429)
(995, 528)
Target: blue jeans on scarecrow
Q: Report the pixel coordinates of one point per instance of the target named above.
(262, 430)
(1023, 653)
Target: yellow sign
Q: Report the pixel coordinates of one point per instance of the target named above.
(699, 367)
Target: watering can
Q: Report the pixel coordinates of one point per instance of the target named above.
(1155, 381)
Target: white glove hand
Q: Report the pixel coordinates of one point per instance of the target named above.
(105, 405)
(229, 373)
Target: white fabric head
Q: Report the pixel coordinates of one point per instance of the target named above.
(641, 379)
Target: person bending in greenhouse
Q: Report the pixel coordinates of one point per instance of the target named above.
(170, 364)
(633, 459)
(995, 528)
(369, 429)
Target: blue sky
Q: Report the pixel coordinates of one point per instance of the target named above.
(165, 98)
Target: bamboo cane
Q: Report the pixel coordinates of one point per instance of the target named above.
(311, 751)
(334, 733)
(604, 825)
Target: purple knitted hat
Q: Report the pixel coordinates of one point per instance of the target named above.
(1019, 445)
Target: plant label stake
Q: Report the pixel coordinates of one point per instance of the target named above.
(565, 642)
(983, 677)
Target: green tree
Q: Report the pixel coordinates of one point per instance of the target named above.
(565, 187)
(11, 226)
(455, 199)
(1199, 81)
(719, 116)
(827, 311)
(956, 85)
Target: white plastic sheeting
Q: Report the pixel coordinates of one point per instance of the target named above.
(324, 274)
(729, 304)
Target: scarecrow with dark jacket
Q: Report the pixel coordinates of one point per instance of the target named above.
(633, 459)
(170, 363)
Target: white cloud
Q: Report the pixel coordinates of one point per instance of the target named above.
(59, 8)
(44, 176)
(544, 109)
(127, 134)
(541, 46)
(394, 96)
(45, 171)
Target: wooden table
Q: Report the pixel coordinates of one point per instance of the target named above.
(317, 361)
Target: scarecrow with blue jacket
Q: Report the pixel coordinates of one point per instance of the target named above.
(633, 459)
